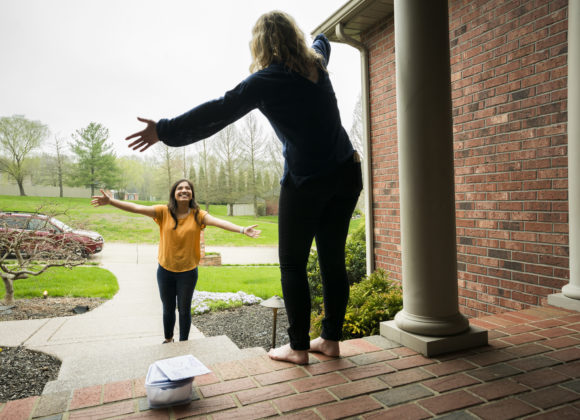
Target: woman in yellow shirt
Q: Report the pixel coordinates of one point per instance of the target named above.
(180, 224)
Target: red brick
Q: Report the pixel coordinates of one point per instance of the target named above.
(533, 363)
(229, 370)
(86, 397)
(330, 366)
(403, 412)
(251, 412)
(554, 332)
(118, 391)
(375, 357)
(204, 406)
(158, 414)
(447, 368)
(498, 389)
(509, 408)
(367, 371)
(567, 412)
(280, 376)
(410, 362)
(258, 365)
(528, 349)
(352, 407)
(139, 388)
(104, 411)
(303, 415)
(357, 346)
(490, 358)
(227, 387)
(404, 351)
(562, 342)
(321, 381)
(267, 393)
(207, 379)
(448, 383)
(449, 402)
(307, 399)
(365, 386)
(522, 338)
(566, 355)
(18, 409)
(549, 397)
(541, 378)
(405, 377)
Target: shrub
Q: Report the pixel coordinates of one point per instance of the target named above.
(372, 301)
(355, 259)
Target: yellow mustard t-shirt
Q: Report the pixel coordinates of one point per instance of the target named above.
(179, 249)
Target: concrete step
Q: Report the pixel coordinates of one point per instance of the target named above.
(108, 367)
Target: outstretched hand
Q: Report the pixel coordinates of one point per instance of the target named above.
(146, 137)
(101, 200)
(251, 232)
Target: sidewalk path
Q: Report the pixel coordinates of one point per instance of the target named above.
(132, 320)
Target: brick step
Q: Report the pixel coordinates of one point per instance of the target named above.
(115, 366)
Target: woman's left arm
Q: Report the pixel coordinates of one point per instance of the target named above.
(250, 231)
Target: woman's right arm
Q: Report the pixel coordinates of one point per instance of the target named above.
(106, 198)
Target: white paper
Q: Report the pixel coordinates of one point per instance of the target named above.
(182, 367)
(155, 375)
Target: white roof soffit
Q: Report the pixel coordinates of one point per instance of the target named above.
(357, 16)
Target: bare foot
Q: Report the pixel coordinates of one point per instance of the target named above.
(287, 354)
(327, 347)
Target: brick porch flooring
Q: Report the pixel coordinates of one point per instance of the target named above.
(530, 369)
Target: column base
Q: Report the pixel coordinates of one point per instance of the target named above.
(430, 326)
(562, 301)
(430, 346)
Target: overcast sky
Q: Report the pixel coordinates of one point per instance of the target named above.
(67, 63)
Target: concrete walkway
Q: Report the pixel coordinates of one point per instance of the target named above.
(119, 339)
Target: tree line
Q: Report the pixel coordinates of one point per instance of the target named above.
(242, 161)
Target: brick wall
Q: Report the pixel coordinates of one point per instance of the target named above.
(509, 90)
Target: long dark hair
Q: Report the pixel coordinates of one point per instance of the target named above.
(172, 205)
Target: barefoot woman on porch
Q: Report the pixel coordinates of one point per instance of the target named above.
(322, 177)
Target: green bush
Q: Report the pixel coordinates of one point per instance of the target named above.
(355, 259)
(372, 301)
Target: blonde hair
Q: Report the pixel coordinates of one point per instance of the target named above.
(277, 39)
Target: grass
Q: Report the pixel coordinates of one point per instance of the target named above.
(261, 281)
(118, 226)
(64, 282)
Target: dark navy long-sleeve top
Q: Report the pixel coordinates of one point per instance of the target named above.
(304, 115)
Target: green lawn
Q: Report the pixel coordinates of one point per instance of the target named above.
(64, 282)
(261, 281)
(119, 226)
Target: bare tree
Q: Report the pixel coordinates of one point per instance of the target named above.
(58, 149)
(33, 251)
(18, 137)
(167, 157)
(252, 141)
(227, 147)
(274, 155)
(356, 129)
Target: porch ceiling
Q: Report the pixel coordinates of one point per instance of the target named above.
(357, 16)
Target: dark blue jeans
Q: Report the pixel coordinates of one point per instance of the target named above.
(320, 209)
(176, 288)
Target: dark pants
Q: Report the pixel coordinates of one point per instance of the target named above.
(319, 209)
(176, 287)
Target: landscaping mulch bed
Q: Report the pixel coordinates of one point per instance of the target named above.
(24, 373)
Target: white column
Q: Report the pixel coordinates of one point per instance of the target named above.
(570, 296)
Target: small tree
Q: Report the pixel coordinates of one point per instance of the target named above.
(18, 137)
(33, 253)
(96, 161)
